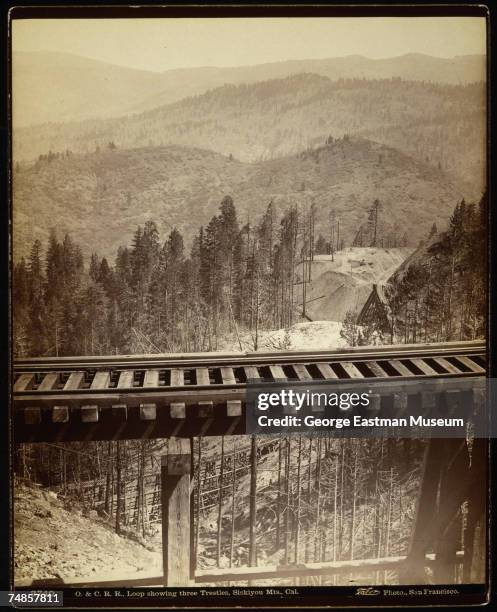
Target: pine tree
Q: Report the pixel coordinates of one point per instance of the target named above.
(20, 298)
(35, 269)
(95, 311)
(53, 291)
(373, 222)
(321, 247)
(94, 271)
(350, 330)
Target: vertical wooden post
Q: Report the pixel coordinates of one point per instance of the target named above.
(194, 520)
(453, 485)
(22, 448)
(342, 496)
(287, 499)
(423, 527)
(335, 508)
(175, 497)
(253, 503)
(308, 498)
(389, 514)
(476, 528)
(317, 522)
(278, 498)
(139, 481)
(355, 448)
(199, 496)
(297, 526)
(118, 486)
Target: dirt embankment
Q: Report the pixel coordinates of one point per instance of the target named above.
(53, 539)
(345, 282)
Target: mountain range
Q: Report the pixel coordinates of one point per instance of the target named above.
(443, 125)
(61, 87)
(100, 149)
(101, 197)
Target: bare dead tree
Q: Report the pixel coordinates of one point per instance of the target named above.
(233, 505)
(220, 504)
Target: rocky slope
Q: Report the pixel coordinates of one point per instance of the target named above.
(53, 538)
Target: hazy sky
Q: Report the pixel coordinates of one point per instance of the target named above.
(162, 44)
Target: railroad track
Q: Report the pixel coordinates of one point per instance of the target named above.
(201, 394)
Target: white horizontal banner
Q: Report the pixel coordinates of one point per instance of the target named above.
(449, 408)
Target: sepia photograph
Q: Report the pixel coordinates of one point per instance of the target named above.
(200, 203)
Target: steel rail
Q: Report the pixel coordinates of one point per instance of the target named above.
(214, 359)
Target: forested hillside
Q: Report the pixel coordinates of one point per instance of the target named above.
(159, 296)
(237, 279)
(318, 498)
(271, 119)
(440, 292)
(101, 197)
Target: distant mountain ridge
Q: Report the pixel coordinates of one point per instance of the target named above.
(60, 87)
(443, 125)
(101, 197)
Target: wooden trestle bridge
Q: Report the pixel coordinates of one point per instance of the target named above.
(182, 397)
